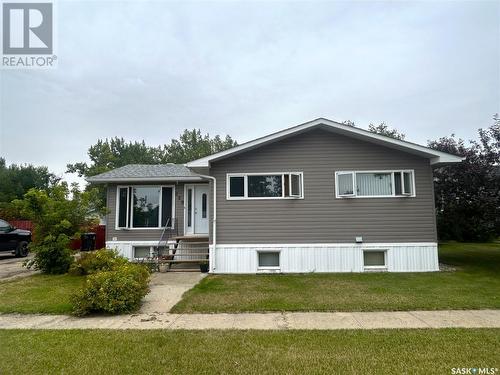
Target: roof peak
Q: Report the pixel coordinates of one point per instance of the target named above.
(436, 157)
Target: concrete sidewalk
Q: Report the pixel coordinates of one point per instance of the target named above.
(167, 289)
(265, 321)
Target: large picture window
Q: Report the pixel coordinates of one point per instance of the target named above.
(144, 206)
(366, 184)
(282, 185)
(265, 186)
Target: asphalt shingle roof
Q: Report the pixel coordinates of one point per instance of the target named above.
(138, 171)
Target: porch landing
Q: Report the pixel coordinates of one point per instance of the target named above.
(190, 238)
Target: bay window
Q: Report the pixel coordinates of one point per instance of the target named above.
(144, 206)
(366, 184)
(282, 185)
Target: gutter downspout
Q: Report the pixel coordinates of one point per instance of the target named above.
(211, 265)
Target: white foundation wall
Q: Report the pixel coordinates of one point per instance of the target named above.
(125, 248)
(305, 258)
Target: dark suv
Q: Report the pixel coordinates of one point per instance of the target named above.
(13, 239)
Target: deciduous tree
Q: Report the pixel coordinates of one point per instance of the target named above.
(468, 194)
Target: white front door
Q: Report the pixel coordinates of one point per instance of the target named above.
(196, 203)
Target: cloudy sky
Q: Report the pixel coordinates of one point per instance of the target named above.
(148, 70)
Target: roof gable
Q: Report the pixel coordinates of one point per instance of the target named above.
(436, 157)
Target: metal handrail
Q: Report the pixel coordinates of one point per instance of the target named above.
(168, 225)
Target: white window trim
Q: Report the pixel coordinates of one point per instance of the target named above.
(393, 195)
(374, 268)
(245, 185)
(268, 268)
(130, 213)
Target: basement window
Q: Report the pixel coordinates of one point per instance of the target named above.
(142, 252)
(375, 259)
(268, 260)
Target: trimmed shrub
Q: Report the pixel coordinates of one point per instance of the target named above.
(114, 292)
(51, 256)
(99, 260)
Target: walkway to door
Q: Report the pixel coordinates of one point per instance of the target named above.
(167, 289)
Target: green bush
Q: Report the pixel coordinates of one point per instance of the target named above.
(99, 260)
(117, 291)
(51, 256)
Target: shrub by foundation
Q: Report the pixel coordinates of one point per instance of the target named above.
(99, 260)
(117, 291)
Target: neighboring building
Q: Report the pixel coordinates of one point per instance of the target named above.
(317, 197)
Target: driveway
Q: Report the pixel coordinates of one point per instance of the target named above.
(12, 267)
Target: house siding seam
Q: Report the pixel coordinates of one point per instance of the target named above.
(320, 217)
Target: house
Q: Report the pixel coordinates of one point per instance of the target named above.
(318, 197)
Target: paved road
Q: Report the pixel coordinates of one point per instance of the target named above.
(11, 267)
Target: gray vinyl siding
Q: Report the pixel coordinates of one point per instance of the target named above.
(140, 234)
(320, 217)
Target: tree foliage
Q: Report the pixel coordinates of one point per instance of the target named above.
(193, 145)
(384, 129)
(468, 194)
(116, 152)
(16, 180)
(381, 128)
(58, 213)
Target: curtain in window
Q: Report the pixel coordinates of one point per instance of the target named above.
(369, 184)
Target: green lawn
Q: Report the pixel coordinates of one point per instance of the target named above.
(47, 294)
(474, 285)
(247, 352)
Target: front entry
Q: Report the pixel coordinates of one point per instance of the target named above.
(196, 209)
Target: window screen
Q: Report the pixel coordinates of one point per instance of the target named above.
(374, 258)
(345, 182)
(295, 185)
(408, 183)
(237, 186)
(269, 259)
(398, 183)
